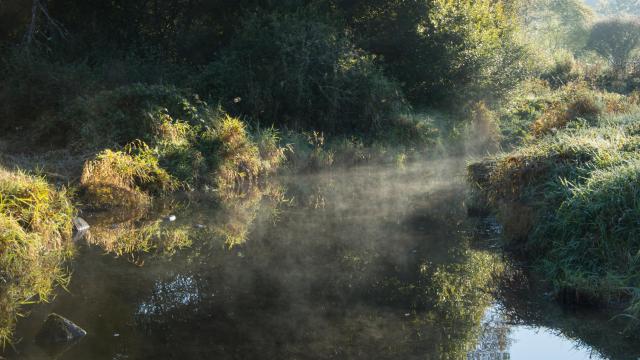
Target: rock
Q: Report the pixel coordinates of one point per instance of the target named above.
(59, 330)
(80, 225)
(80, 228)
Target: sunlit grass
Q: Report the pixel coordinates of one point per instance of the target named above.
(35, 232)
(570, 199)
(125, 178)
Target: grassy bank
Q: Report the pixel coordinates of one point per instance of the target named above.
(35, 238)
(567, 195)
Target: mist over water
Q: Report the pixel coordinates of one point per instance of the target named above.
(366, 263)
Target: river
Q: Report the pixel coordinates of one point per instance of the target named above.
(366, 263)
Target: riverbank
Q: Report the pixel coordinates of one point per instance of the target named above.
(567, 197)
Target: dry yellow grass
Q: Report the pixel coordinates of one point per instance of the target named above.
(35, 233)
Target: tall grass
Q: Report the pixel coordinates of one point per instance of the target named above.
(35, 233)
(571, 201)
(125, 178)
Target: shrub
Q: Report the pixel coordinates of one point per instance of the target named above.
(576, 101)
(292, 69)
(563, 71)
(33, 88)
(118, 117)
(239, 156)
(212, 149)
(273, 155)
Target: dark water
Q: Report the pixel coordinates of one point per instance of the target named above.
(359, 264)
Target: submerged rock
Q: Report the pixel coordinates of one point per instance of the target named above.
(59, 330)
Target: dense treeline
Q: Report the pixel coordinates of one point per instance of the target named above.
(331, 65)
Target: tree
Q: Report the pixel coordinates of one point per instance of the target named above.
(440, 50)
(557, 23)
(615, 39)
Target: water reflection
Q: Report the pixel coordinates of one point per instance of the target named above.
(501, 339)
(364, 264)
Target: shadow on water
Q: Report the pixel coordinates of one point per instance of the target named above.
(367, 263)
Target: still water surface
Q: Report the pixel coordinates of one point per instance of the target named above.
(368, 263)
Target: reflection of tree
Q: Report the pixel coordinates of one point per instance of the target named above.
(262, 313)
(380, 271)
(143, 232)
(137, 235)
(348, 279)
(523, 303)
(494, 341)
(239, 211)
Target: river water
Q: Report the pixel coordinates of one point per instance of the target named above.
(368, 263)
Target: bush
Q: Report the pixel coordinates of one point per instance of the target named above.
(563, 71)
(33, 88)
(206, 147)
(575, 102)
(294, 70)
(615, 39)
(118, 117)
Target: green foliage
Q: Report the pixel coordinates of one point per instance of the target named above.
(442, 51)
(171, 140)
(615, 40)
(572, 196)
(556, 24)
(34, 86)
(562, 71)
(481, 55)
(120, 116)
(297, 71)
(340, 67)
